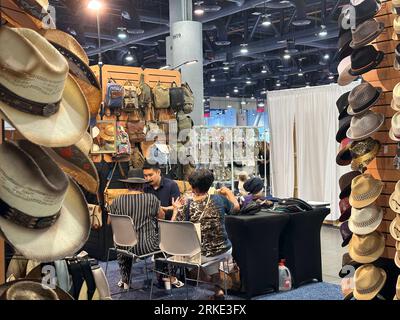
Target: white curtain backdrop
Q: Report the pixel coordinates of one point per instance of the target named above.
(281, 117)
(315, 116)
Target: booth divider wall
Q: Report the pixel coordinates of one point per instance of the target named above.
(382, 167)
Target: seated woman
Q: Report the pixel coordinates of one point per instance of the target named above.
(144, 209)
(209, 211)
(255, 189)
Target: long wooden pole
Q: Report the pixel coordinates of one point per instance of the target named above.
(2, 258)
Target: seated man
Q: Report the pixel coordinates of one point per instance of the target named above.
(209, 211)
(255, 189)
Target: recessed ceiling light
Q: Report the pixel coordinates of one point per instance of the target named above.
(235, 90)
(243, 102)
(326, 56)
(225, 68)
(248, 82)
(287, 56)
(229, 106)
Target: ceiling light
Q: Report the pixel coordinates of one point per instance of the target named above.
(326, 56)
(235, 90)
(225, 68)
(244, 49)
(331, 76)
(227, 96)
(212, 78)
(256, 13)
(263, 71)
(323, 32)
(261, 104)
(300, 74)
(266, 21)
(243, 103)
(129, 57)
(278, 84)
(229, 106)
(248, 82)
(263, 91)
(122, 34)
(198, 11)
(95, 5)
(252, 97)
(287, 56)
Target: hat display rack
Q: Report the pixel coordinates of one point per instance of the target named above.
(53, 159)
(367, 114)
(363, 115)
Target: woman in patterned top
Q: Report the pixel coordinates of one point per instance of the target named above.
(144, 209)
(209, 211)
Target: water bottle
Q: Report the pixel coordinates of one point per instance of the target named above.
(285, 278)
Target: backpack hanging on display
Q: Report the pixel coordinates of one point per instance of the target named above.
(137, 158)
(114, 95)
(131, 100)
(176, 97)
(145, 92)
(123, 145)
(188, 98)
(136, 131)
(184, 121)
(161, 96)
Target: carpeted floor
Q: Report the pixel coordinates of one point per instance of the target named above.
(313, 291)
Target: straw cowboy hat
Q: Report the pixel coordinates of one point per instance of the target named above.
(31, 289)
(395, 228)
(366, 220)
(36, 94)
(78, 63)
(366, 32)
(366, 248)
(396, 7)
(365, 189)
(363, 152)
(74, 160)
(343, 69)
(40, 205)
(368, 281)
(363, 126)
(394, 199)
(343, 158)
(108, 133)
(396, 28)
(394, 132)
(362, 97)
(395, 105)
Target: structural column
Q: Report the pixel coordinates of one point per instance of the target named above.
(184, 44)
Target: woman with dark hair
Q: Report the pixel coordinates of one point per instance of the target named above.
(144, 209)
(209, 211)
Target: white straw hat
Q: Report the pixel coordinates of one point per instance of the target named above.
(365, 220)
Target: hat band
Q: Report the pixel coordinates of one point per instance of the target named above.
(368, 195)
(365, 159)
(82, 70)
(32, 7)
(364, 67)
(28, 106)
(373, 288)
(25, 220)
(367, 223)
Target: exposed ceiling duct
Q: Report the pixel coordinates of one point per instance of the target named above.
(279, 4)
(131, 20)
(301, 18)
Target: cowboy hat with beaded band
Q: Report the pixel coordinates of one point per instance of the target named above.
(37, 96)
(368, 281)
(39, 204)
(365, 189)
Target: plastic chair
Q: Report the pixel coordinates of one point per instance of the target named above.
(181, 246)
(124, 235)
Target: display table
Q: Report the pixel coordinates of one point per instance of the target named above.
(301, 245)
(255, 244)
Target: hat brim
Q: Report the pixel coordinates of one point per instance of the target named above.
(396, 221)
(92, 94)
(343, 158)
(358, 204)
(371, 257)
(371, 295)
(396, 64)
(392, 136)
(77, 165)
(394, 106)
(133, 180)
(366, 229)
(64, 128)
(397, 259)
(61, 294)
(378, 59)
(395, 36)
(368, 39)
(366, 107)
(351, 135)
(346, 241)
(341, 133)
(393, 200)
(106, 137)
(345, 77)
(64, 238)
(345, 215)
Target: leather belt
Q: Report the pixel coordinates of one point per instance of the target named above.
(25, 220)
(28, 106)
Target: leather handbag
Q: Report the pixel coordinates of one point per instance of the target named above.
(161, 96)
(188, 98)
(145, 92)
(176, 97)
(137, 158)
(136, 131)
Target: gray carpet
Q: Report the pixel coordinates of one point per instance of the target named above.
(139, 291)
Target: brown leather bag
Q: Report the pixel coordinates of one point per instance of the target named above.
(137, 158)
(161, 96)
(136, 131)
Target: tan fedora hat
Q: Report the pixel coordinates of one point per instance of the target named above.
(394, 132)
(78, 65)
(37, 96)
(397, 258)
(43, 215)
(366, 248)
(394, 199)
(108, 133)
(343, 69)
(366, 220)
(397, 296)
(365, 189)
(74, 161)
(395, 228)
(395, 104)
(396, 28)
(31, 289)
(396, 7)
(368, 281)
(364, 125)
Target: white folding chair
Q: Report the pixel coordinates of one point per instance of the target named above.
(124, 235)
(179, 243)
